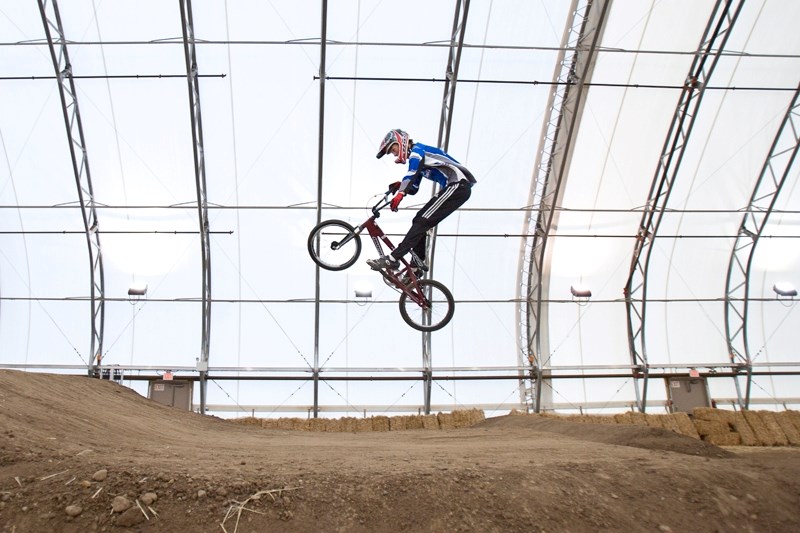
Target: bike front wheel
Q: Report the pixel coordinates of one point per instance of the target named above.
(435, 313)
(334, 245)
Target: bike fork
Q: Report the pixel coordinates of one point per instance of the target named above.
(349, 237)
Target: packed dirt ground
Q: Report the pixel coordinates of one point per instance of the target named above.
(80, 455)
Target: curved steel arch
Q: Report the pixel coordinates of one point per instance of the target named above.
(582, 35)
(51, 18)
(190, 56)
(716, 34)
(765, 193)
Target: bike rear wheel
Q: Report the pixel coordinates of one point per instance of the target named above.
(436, 315)
(334, 245)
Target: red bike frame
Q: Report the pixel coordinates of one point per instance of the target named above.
(377, 235)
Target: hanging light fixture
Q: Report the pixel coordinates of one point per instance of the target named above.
(136, 292)
(784, 289)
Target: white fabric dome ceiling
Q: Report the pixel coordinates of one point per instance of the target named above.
(270, 141)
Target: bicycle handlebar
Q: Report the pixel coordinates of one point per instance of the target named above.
(383, 202)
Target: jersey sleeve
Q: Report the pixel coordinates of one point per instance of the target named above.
(410, 183)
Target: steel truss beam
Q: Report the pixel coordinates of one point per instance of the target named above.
(445, 124)
(51, 18)
(187, 25)
(773, 175)
(566, 102)
(716, 34)
(451, 75)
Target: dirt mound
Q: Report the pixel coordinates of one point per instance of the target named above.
(648, 438)
(78, 454)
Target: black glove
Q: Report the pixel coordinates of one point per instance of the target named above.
(394, 187)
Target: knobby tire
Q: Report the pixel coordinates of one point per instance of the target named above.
(325, 236)
(442, 307)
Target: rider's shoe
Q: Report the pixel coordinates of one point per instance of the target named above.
(418, 263)
(385, 261)
(405, 279)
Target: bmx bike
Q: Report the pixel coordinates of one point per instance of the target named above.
(425, 304)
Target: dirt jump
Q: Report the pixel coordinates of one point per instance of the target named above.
(81, 455)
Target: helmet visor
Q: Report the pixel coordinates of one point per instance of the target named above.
(386, 143)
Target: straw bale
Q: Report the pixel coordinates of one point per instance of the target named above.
(794, 416)
(398, 423)
(606, 419)
(655, 421)
(760, 429)
(467, 417)
(711, 427)
(704, 413)
(594, 419)
(623, 418)
(317, 424)
(334, 425)
(445, 420)
(724, 439)
(684, 424)
(670, 423)
(745, 431)
(380, 423)
(638, 419)
(277, 423)
(348, 424)
(783, 418)
(363, 424)
(712, 413)
(775, 428)
(460, 419)
(430, 422)
(414, 422)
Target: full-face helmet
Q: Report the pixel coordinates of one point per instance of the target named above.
(395, 136)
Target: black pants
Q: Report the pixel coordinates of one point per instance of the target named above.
(437, 209)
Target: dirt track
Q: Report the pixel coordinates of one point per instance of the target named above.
(187, 472)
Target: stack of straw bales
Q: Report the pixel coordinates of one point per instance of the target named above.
(453, 420)
(747, 428)
(678, 422)
(716, 426)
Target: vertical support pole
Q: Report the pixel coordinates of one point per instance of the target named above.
(190, 56)
(322, 75)
(445, 124)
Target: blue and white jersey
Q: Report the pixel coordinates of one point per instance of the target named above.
(434, 164)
